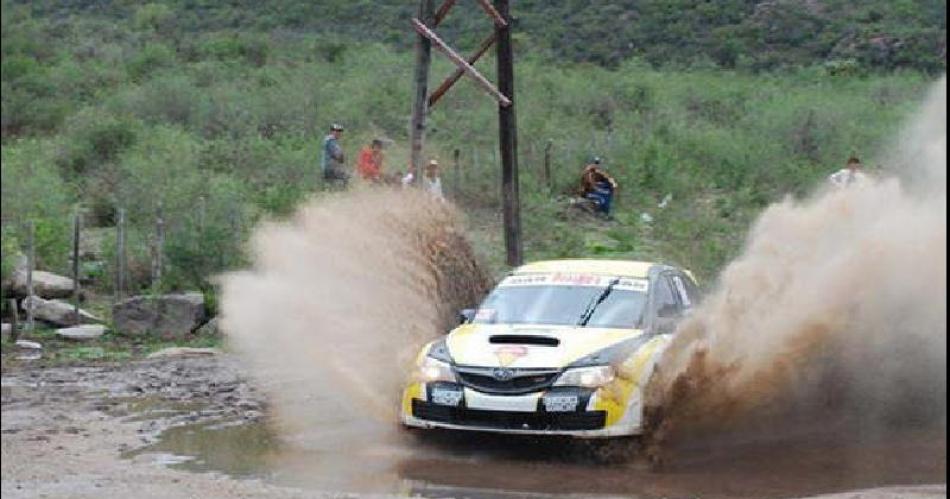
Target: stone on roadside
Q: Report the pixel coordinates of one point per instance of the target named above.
(58, 313)
(29, 350)
(210, 328)
(45, 284)
(172, 315)
(28, 345)
(87, 332)
(183, 351)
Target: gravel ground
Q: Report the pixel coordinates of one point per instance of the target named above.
(65, 431)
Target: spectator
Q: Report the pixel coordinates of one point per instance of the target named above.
(598, 187)
(431, 181)
(408, 178)
(849, 175)
(370, 162)
(332, 159)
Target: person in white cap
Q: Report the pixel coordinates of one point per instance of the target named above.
(332, 160)
(431, 181)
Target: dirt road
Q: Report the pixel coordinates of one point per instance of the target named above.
(191, 427)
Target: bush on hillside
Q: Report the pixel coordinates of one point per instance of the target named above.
(33, 191)
(94, 137)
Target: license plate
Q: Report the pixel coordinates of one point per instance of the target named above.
(446, 397)
(560, 403)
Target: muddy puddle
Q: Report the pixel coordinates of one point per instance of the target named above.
(441, 465)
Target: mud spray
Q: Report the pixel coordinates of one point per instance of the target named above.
(832, 320)
(339, 301)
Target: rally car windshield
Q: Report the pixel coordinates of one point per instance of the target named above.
(622, 307)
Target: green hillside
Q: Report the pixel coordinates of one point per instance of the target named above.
(753, 34)
(214, 112)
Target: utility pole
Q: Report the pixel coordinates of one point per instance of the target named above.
(420, 104)
(508, 138)
(499, 14)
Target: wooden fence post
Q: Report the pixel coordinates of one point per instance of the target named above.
(30, 263)
(120, 256)
(202, 210)
(456, 178)
(77, 229)
(158, 249)
(420, 103)
(15, 322)
(546, 167)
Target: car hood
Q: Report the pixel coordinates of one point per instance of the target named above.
(493, 345)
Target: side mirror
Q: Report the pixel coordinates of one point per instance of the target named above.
(668, 311)
(466, 315)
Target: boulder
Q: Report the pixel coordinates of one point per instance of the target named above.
(29, 350)
(173, 315)
(28, 345)
(57, 312)
(86, 332)
(211, 328)
(45, 284)
(183, 351)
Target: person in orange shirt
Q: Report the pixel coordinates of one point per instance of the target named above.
(370, 161)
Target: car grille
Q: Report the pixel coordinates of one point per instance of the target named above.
(509, 420)
(520, 381)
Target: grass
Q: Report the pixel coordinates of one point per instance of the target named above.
(222, 130)
(108, 348)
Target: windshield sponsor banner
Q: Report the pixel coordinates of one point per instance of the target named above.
(573, 279)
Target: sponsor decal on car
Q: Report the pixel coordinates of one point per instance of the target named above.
(572, 279)
(509, 353)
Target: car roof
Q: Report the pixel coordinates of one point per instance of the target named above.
(625, 268)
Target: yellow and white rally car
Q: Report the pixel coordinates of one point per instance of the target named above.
(560, 347)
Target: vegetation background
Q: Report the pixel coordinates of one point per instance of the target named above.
(215, 111)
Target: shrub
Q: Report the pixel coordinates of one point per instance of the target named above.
(94, 137)
(151, 58)
(154, 16)
(32, 190)
(210, 238)
(168, 99)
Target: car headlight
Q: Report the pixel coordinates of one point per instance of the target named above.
(431, 370)
(587, 377)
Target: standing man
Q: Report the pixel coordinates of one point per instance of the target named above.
(370, 162)
(431, 180)
(849, 175)
(332, 159)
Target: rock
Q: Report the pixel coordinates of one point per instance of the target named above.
(173, 315)
(211, 328)
(28, 345)
(87, 332)
(182, 351)
(45, 284)
(646, 218)
(57, 312)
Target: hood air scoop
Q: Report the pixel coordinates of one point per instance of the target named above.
(523, 339)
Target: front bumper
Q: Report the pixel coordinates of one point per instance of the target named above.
(525, 414)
